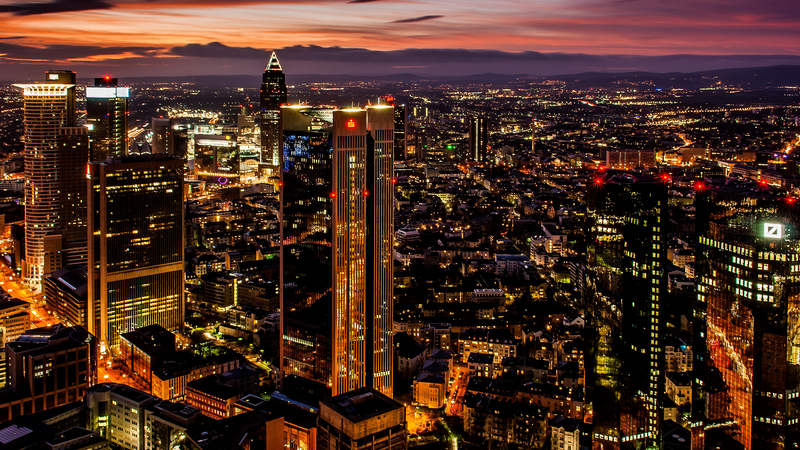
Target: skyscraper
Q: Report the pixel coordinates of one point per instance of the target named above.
(135, 245)
(273, 95)
(746, 337)
(478, 139)
(336, 248)
(400, 127)
(107, 118)
(626, 214)
(48, 107)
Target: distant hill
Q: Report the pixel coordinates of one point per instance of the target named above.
(753, 78)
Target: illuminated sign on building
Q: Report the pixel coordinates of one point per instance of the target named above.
(773, 230)
(351, 123)
(107, 92)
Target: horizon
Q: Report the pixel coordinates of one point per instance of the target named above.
(135, 38)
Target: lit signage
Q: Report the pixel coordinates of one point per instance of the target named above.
(107, 92)
(351, 123)
(52, 76)
(773, 230)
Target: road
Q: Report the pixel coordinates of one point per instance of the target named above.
(13, 284)
(457, 391)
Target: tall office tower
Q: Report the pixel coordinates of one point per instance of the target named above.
(746, 336)
(400, 127)
(273, 95)
(135, 272)
(626, 220)
(48, 107)
(107, 118)
(478, 139)
(380, 239)
(336, 247)
(73, 153)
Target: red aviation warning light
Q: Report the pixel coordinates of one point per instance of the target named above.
(333, 194)
(665, 177)
(699, 186)
(599, 181)
(351, 123)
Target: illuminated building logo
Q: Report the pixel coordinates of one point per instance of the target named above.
(773, 230)
(351, 123)
(222, 180)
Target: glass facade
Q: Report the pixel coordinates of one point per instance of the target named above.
(336, 252)
(136, 250)
(273, 95)
(107, 117)
(625, 252)
(747, 371)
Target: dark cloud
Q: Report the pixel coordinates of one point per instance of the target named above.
(25, 62)
(66, 52)
(362, 1)
(54, 6)
(418, 19)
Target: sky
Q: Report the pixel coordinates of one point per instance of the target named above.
(133, 38)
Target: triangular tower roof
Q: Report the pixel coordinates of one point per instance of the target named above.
(274, 64)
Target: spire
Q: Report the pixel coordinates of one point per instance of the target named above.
(274, 64)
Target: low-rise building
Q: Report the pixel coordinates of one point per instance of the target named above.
(363, 419)
(430, 390)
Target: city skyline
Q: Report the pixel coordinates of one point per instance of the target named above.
(319, 36)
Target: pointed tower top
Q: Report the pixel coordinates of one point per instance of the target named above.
(274, 64)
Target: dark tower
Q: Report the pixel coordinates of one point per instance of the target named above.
(626, 220)
(273, 95)
(107, 118)
(478, 139)
(135, 230)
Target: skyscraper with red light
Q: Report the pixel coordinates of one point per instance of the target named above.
(626, 220)
(273, 95)
(336, 252)
(107, 118)
(746, 342)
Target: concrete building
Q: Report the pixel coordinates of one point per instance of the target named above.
(363, 419)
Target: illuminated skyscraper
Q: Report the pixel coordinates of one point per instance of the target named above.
(135, 245)
(336, 252)
(747, 321)
(626, 216)
(478, 139)
(48, 107)
(400, 127)
(107, 117)
(273, 95)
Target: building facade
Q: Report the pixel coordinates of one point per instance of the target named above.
(337, 219)
(478, 139)
(746, 342)
(273, 95)
(107, 118)
(48, 107)
(136, 245)
(626, 216)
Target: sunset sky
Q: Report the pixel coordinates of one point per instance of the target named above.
(443, 37)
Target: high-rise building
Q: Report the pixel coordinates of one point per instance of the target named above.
(400, 127)
(73, 153)
(626, 220)
(273, 95)
(336, 252)
(107, 118)
(746, 341)
(48, 107)
(135, 271)
(478, 139)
